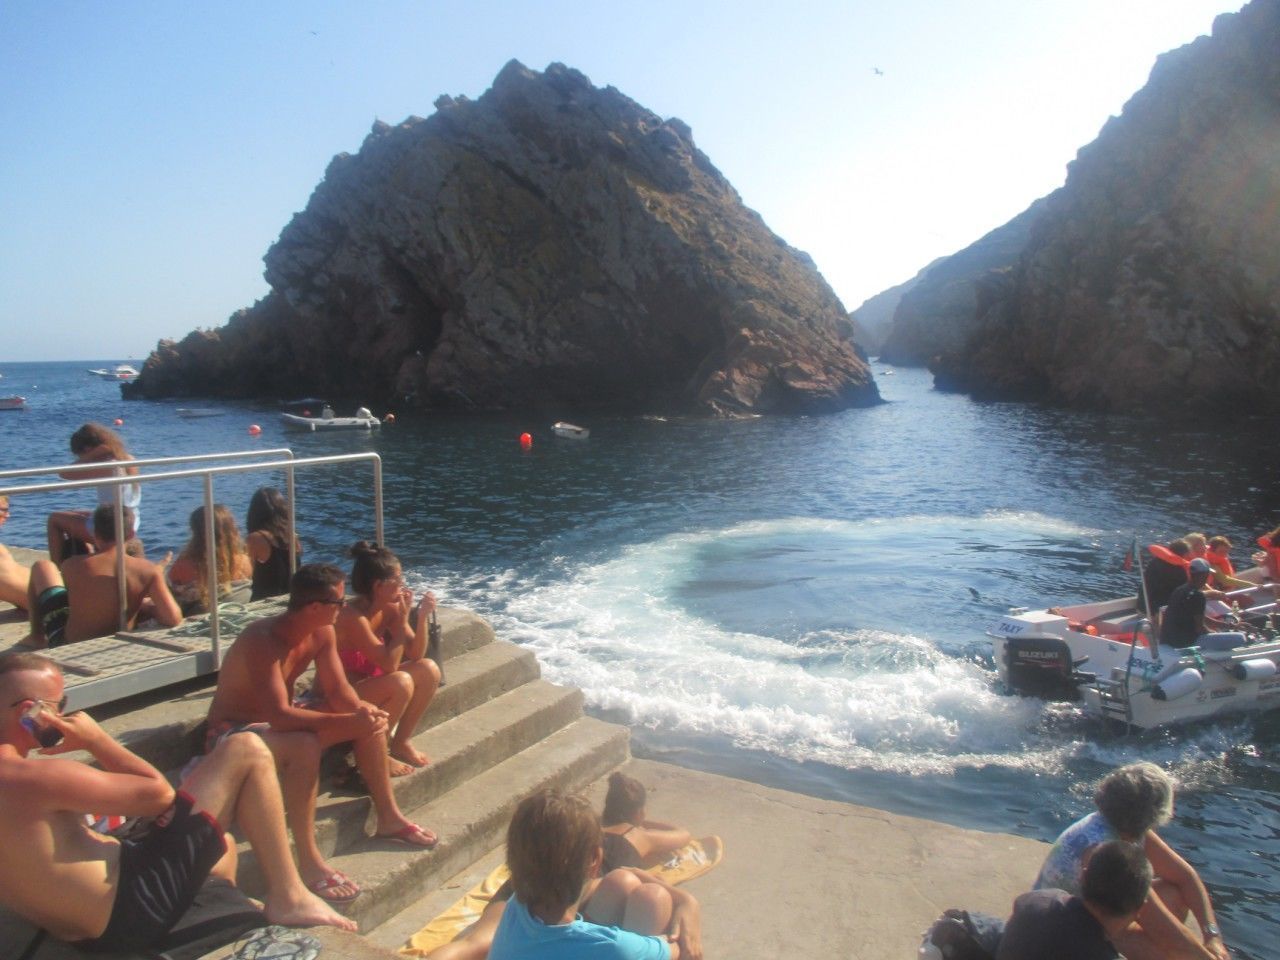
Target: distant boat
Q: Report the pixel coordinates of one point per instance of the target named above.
(192, 413)
(570, 431)
(120, 372)
(328, 420)
(12, 403)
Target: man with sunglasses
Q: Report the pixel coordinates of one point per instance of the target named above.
(256, 694)
(107, 894)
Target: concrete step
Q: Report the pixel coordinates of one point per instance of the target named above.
(472, 818)
(460, 749)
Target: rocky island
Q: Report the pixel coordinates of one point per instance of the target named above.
(549, 244)
(1151, 280)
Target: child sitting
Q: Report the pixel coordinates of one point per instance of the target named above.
(554, 849)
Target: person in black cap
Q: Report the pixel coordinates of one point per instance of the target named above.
(1183, 622)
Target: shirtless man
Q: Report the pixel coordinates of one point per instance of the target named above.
(126, 895)
(81, 600)
(256, 692)
(14, 577)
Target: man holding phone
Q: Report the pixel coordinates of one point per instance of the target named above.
(107, 894)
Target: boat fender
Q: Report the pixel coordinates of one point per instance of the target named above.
(1258, 669)
(1178, 684)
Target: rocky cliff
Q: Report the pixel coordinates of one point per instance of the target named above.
(939, 312)
(1151, 280)
(873, 320)
(549, 244)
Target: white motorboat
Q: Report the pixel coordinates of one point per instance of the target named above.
(12, 403)
(570, 431)
(119, 372)
(363, 420)
(1106, 654)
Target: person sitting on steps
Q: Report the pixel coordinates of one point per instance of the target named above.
(384, 655)
(124, 896)
(256, 692)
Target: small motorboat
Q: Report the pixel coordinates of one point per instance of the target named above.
(570, 431)
(328, 420)
(195, 413)
(12, 403)
(119, 372)
(1106, 655)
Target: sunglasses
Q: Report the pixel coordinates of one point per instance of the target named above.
(331, 602)
(57, 705)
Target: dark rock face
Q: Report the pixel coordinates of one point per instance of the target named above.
(939, 313)
(873, 320)
(1151, 280)
(547, 244)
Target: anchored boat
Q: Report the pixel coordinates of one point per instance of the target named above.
(12, 403)
(570, 431)
(120, 372)
(1106, 655)
(328, 420)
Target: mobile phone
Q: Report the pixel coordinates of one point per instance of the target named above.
(46, 736)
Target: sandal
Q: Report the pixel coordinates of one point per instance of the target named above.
(323, 888)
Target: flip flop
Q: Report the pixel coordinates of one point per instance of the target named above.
(277, 943)
(406, 834)
(322, 887)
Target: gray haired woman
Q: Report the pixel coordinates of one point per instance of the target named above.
(1132, 801)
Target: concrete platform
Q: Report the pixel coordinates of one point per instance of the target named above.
(803, 877)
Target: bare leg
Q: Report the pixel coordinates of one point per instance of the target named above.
(475, 942)
(371, 760)
(297, 757)
(238, 782)
(624, 900)
(426, 680)
(15, 580)
(391, 692)
(648, 910)
(607, 904)
(43, 576)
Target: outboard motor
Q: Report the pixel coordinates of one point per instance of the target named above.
(1042, 667)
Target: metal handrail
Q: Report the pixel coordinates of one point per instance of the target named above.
(207, 474)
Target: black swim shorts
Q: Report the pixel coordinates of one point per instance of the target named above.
(160, 875)
(53, 608)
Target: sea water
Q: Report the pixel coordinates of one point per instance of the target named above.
(800, 602)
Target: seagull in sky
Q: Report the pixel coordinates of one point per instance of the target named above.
(877, 71)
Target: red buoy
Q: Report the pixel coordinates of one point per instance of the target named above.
(389, 418)
(119, 421)
(526, 441)
(254, 429)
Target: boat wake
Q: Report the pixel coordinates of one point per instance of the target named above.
(806, 639)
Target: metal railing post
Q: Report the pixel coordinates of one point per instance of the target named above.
(211, 559)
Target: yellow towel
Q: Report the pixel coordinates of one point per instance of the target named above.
(692, 860)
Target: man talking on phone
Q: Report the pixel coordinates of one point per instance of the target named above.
(110, 895)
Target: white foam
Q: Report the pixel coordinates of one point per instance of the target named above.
(886, 700)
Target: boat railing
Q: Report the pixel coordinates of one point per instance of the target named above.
(283, 459)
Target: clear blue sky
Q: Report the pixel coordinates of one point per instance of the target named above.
(152, 151)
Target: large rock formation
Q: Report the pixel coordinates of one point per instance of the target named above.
(1151, 280)
(873, 320)
(938, 314)
(549, 243)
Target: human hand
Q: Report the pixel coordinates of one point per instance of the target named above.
(427, 605)
(1219, 949)
(79, 732)
(686, 926)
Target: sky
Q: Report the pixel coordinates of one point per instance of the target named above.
(151, 152)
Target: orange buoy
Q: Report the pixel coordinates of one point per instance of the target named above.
(119, 421)
(526, 441)
(254, 429)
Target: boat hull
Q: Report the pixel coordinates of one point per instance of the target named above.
(292, 421)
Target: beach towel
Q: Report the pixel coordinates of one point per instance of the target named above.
(692, 860)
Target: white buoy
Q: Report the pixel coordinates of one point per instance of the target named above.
(1258, 669)
(1178, 684)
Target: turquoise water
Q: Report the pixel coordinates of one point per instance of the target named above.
(799, 602)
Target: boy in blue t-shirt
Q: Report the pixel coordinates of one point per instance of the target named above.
(554, 848)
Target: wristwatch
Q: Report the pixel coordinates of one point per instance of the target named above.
(1212, 930)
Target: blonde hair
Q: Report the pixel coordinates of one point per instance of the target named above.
(227, 546)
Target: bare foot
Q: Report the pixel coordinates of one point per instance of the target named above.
(307, 910)
(406, 753)
(397, 769)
